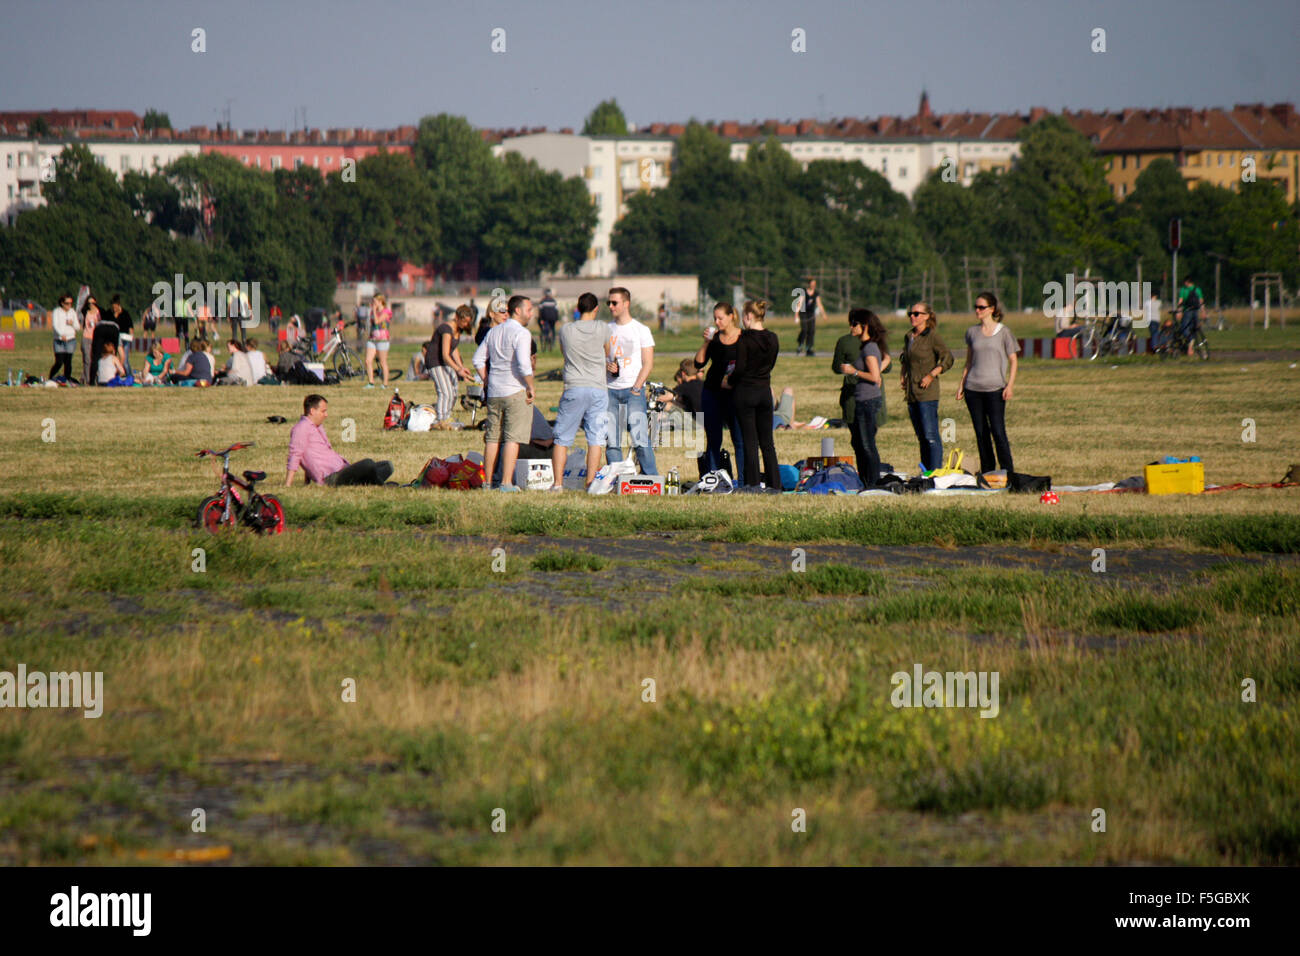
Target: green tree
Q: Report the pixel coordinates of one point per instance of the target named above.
(538, 221)
(465, 178)
(40, 126)
(605, 120)
(153, 119)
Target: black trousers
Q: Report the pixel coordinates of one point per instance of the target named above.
(753, 404)
(807, 329)
(367, 471)
(63, 359)
(182, 330)
(988, 415)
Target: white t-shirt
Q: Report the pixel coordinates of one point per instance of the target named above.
(1152, 313)
(257, 364)
(625, 344)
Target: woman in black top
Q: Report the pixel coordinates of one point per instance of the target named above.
(751, 382)
(719, 353)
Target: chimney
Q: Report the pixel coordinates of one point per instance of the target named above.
(1284, 113)
(923, 110)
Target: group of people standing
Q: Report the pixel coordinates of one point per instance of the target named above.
(103, 334)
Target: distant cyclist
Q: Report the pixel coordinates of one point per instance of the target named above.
(548, 316)
(1190, 301)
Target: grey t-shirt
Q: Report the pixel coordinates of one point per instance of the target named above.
(583, 345)
(988, 358)
(864, 390)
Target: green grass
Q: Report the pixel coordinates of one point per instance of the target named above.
(524, 686)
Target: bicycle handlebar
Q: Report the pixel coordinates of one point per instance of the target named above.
(235, 447)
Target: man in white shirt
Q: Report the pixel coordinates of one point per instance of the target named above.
(1151, 316)
(631, 359)
(504, 362)
(64, 320)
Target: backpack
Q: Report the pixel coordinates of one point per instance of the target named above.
(841, 477)
(1193, 301)
(397, 414)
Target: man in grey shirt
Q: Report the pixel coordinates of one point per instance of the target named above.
(585, 402)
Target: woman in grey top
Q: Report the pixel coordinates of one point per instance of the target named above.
(988, 380)
(867, 395)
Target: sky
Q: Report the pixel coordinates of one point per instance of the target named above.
(386, 63)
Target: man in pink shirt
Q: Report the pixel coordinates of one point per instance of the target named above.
(310, 450)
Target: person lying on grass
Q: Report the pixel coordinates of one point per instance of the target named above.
(310, 450)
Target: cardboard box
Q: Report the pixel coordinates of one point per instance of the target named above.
(818, 463)
(575, 474)
(1185, 478)
(640, 485)
(534, 474)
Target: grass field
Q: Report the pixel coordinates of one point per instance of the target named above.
(524, 690)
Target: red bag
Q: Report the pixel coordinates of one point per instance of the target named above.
(465, 475)
(398, 411)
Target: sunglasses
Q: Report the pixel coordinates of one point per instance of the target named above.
(912, 315)
(981, 308)
(612, 302)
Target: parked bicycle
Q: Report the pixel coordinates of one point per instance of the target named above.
(229, 509)
(1115, 337)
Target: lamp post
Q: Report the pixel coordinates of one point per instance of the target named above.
(1218, 263)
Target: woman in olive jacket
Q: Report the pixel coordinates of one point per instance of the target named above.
(923, 360)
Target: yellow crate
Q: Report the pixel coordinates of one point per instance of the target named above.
(1186, 478)
(7, 323)
(23, 320)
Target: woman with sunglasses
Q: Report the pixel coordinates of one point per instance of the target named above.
(64, 320)
(924, 359)
(988, 380)
(381, 316)
(89, 319)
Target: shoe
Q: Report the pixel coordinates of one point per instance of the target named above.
(508, 488)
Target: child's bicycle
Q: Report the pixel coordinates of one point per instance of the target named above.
(228, 509)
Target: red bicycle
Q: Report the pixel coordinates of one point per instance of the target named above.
(227, 509)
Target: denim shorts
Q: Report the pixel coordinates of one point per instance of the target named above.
(588, 407)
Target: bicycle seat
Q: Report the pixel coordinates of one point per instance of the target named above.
(254, 475)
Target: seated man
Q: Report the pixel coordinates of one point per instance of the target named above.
(310, 449)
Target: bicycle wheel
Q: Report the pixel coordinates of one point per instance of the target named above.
(1089, 347)
(345, 365)
(1202, 348)
(270, 515)
(212, 515)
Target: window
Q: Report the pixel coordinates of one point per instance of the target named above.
(22, 160)
(970, 170)
(884, 165)
(156, 164)
(1123, 162)
(297, 162)
(257, 161)
(244, 160)
(11, 190)
(329, 160)
(125, 162)
(596, 200)
(902, 172)
(9, 160)
(1137, 162)
(275, 162)
(1123, 189)
(597, 172)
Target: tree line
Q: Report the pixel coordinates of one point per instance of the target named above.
(1051, 214)
(295, 231)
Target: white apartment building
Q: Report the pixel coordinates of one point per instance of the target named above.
(22, 160)
(614, 167)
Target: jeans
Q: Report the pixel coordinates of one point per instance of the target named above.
(367, 471)
(925, 422)
(753, 405)
(1188, 327)
(583, 406)
(719, 412)
(988, 412)
(124, 347)
(864, 440)
(628, 410)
